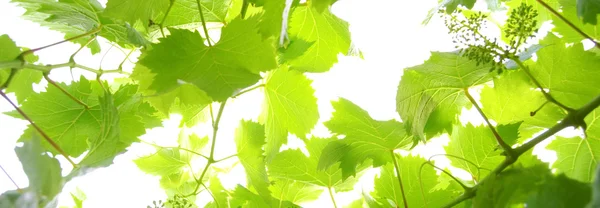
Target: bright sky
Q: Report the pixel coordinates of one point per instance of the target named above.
(389, 33)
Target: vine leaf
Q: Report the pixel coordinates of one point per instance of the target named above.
(240, 197)
(133, 10)
(577, 156)
(321, 5)
(294, 165)
(23, 80)
(474, 144)
(271, 21)
(431, 95)
(418, 185)
(230, 65)
(571, 11)
(561, 191)
(365, 138)
(186, 12)
(290, 106)
(569, 73)
(249, 139)
(328, 34)
(588, 10)
(162, 163)
(295, 191)
(8, 51)
(42, 170)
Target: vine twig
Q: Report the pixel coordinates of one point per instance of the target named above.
(332, 198)
(91, 32)
(162, 22)
(507, 149)
(203, 22)
(247, 90)
(569, 23)
(399, 179)
(52, 143)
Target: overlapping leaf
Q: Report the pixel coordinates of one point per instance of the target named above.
(327, 34)
(418, 183)
(432, 94)
(365, 138)
(249, 139)
(476, 145)
(570, 10)
(294, 165)
(290, 106)
(220, 70)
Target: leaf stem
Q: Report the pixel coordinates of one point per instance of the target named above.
(225, 158)
(72, 58)
(399, 179)
(507, 149)
(50, 81)
(247, 90)
(211, 158)
(52, 143)
(91, 32)
(331, 196)
(203, 22)
(569, 23)
(10, 178)
(574, 118)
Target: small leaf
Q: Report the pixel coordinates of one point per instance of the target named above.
(43, 171)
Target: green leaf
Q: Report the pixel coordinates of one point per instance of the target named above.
(509, 132)
(22, 83)
(271, 21)
(220, 70)
(365, 138)
(595, 202)
(249, 139)
(108, 143)
(588, 10)
(8, 51)
(42, 170)
(186, 11)
(431, 95)
(294, 165)
(162, 163)
(418, 183)
(290, 106)
(572, 12)
(569, 73)
(295, 191)
(65, 121)
(321, 5)
(577, 157)
(134, 10)
(560, 191)
(328, 34)
(477, 145)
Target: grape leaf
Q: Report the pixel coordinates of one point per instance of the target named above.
(571, 11)
(42, 170)
(417, 181)
(290, 106)
(134, 10)
(163, 162)
(249, 139)
(220, 70)
(569, 73)
(577, 157)
(440, 81)
(294, 191)
(65, 121)
(328, 34)
(294, 165)
(588, 10)
(8, 51)
(22, 83)
(477, 145)
(186, 12)
(560, 191)
(364, 138)
(321, 5)
(271, 21)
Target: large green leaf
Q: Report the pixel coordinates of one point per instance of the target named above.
(328, 34)
(365, 138)
(577, 157)
(249, 139)
(290, 106)
(294, 165)
(229, 66)
(8, 51)
(474, 144)
(134, 10)
(571, 11)
(418, 183)
(431, 95)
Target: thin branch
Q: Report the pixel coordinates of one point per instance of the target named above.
(331, 196)
(574, 118)
(179, 148)
(91, 32)
(72, 58)
(47, 68)
(124, 60)
(10, 178)
(162, 22)
(225, 158)
(65, 92)
(203, 23)
(507, 149)
(569, 23)
(539, 86)
(465, 187)
(52, 143)
(211, 158)
(399, 179)
(247, 90)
